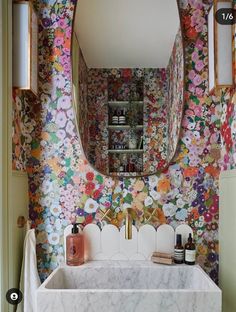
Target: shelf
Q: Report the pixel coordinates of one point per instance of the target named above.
(120, 127)
(114, 173)
(124, 103)
(124, 151)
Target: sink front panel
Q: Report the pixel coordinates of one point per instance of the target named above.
(128, 286)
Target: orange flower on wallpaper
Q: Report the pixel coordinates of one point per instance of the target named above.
(53, 163)
(163, 185)
(212, 171)
(195, 214)
(190, 172)
(161, 216)
(36, 153)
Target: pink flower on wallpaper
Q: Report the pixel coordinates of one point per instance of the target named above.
(68, 32)
(199, 27)
(197, 80)
(189, 112)
(191, 88)
(196, 4)
(199, 91)
(191, 74)
(62, 23)
(58, 41)
(64, 59)
(199, 44)
(66, 51)
(195, 56)
(198, 109)
(185, 122)
(199, 65)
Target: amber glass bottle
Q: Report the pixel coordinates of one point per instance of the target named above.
(179, 250)
(190, 251)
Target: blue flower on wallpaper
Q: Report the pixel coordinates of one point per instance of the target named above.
(181, 214)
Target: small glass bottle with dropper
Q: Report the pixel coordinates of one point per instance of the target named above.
(190, 251)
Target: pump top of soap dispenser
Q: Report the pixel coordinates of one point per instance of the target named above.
(75, 228)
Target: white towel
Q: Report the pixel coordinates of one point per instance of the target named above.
(29, 281)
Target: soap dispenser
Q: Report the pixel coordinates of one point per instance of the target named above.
(75, 247)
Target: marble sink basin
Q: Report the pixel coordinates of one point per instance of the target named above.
(128, 286)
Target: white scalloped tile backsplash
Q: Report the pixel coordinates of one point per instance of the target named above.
(110, 243)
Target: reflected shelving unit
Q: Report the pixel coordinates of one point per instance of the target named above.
(125, 139)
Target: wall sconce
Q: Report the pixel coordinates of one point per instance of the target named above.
(220, 51)
(25, 47)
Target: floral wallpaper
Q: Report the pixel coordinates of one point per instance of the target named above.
(83, 110)
(64, 187)
(23, 129)
(175, 95)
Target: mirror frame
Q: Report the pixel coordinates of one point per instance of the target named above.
(134, 175)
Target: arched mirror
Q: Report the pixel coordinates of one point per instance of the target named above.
(128, 77)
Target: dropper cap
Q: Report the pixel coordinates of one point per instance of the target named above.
(190, 237)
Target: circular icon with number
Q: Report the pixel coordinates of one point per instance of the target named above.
(14, 296)
(225, 16)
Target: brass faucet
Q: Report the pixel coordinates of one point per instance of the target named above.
(128, 223)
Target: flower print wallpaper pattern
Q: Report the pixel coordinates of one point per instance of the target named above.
(63, 186)
(175, 95)
(23, 128)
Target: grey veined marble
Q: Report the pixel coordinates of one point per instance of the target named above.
(128, 286)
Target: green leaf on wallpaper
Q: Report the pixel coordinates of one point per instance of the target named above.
(127, 182)
(99, 178)
(209, 202)
(67, 162)
(84, 197)
(34, 144)
(195, 100)
(53, 105)
(58, 92)
(145, 189)
(54, 137)
(70, 173)
(218, 123)
(208, 101)
(128, 198)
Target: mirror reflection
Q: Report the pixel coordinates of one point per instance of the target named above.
(128, 71)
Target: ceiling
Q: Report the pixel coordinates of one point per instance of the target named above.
(126, 33)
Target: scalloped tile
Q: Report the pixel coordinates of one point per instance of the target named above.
(146, 240)
(165, 239)
(110, 237)
(92, 241)
(184, 230)
(128, 247)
